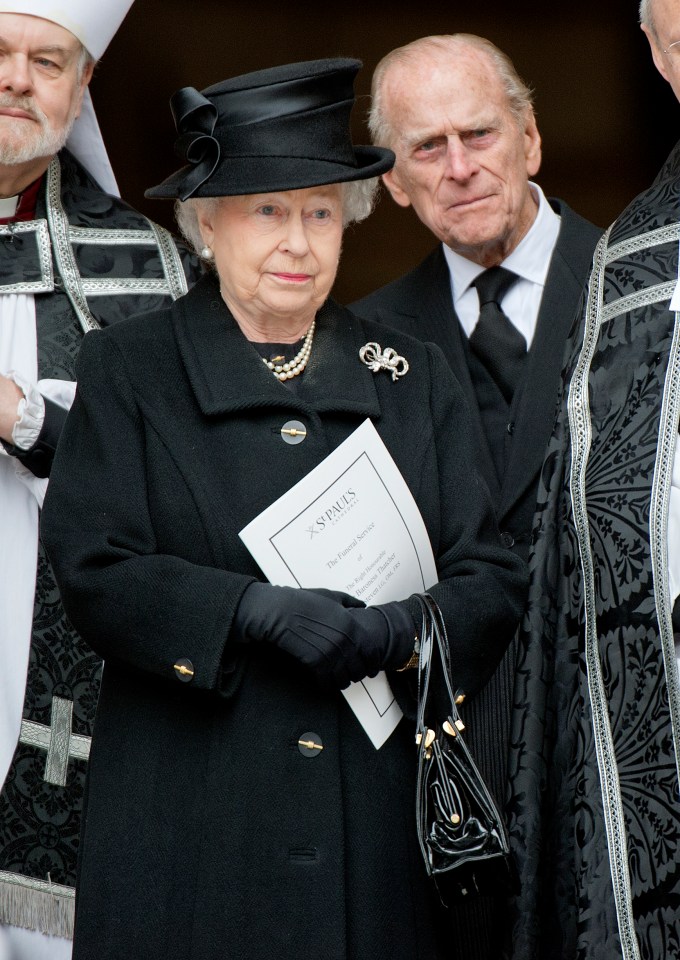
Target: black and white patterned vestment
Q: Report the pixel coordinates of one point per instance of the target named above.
(595, 787)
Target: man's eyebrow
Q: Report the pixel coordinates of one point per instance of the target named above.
(52, 48)
(420, 136)
(486, 122)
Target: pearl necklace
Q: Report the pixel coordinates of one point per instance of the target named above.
(294, 367)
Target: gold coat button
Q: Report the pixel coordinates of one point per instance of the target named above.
(293, 431)
(310, 744)
(184, 670)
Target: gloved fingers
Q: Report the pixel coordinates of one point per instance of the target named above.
(265, 610)
(388, 634)
(317, 653)
(345, 599)
(332, 633)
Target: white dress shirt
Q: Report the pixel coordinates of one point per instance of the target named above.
(530, 260)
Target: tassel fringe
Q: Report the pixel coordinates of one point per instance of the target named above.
(36, 905)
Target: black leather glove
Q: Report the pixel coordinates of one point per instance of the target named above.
(338, 643)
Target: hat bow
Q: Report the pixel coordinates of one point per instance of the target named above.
(195, 119)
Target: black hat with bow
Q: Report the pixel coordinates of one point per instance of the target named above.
(283, 128)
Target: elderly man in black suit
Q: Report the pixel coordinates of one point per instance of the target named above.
(498, 294)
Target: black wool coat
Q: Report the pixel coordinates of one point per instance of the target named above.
(208, 833)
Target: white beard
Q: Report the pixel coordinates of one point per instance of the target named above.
(17, 148)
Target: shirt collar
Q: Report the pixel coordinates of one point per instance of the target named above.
(527, 260)
(24, 205)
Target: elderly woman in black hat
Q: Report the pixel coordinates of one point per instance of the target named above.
(210, 831)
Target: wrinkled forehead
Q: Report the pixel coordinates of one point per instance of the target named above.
(434, 76)
(440, 93)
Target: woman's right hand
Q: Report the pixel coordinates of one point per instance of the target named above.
(338, 643)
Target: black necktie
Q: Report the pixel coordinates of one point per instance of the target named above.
(498, 344)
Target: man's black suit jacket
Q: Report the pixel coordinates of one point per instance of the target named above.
(420, 303)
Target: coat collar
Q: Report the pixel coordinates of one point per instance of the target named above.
(227, 374)
(435, 319)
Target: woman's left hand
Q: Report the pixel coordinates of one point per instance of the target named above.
(341, 644)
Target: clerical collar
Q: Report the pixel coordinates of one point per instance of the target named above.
(21, 207)
(8, 207)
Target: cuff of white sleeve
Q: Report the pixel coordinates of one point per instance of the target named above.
(30, 413)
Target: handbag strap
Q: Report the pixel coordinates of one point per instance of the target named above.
(433, 644)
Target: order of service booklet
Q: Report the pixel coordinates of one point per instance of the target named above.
(351, 524)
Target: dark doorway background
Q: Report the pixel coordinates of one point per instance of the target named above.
(606, 117)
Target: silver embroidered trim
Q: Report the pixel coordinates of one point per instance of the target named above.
(172, 262)
(62, 249)
(38, 735)
(658, 530)
(642, 298)
(56, 766)
(114, 286)
(57, 740)
(643, 241)
(36, 905)
(77, 288)
(114, 238)
(581, 434)
(42, 239)
(36, 286)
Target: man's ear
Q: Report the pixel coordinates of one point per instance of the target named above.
(657, 53)
(532, 145)
(84, 81)
(393, 184)
(87, 73)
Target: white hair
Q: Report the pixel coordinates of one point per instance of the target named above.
(358, 200)
(646, 17)
(520, 96)
(85, 59)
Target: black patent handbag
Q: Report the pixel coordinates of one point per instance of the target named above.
(457, 819)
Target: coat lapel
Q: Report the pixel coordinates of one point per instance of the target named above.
(438, 322)
(429, 315)
(227, 375)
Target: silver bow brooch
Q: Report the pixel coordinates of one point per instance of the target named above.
(377, 359)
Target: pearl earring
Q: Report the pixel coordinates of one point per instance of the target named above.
(207, 253)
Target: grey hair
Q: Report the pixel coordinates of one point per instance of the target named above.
(358, 200)
(85, 59)
(520, 96)
(646, 16)
(186, 215)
